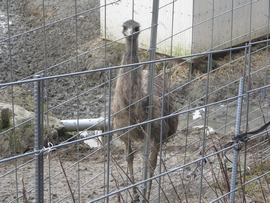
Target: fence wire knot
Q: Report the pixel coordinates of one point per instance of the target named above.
(238, 145)
(244, 136)
(241, 138)
(47, 150)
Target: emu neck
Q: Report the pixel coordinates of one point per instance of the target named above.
(131, 52)
(131, 82)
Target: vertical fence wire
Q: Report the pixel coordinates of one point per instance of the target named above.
(246, 74)
(77, 95)
(130, 95)
(161, 130)
(12, 95)
(202, 162)
(105, 190)
(245, 158)
(109, 135)
(250, 20)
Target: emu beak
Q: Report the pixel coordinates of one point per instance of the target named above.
(129, 31)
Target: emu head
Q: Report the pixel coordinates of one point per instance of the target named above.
(129, 28)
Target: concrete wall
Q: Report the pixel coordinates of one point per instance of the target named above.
(188, 26)
(230, 25)
(117, 13)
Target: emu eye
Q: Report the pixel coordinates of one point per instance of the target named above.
(124, 27)
(137, 29)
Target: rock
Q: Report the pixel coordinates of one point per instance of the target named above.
(20, 113)
(23, 138)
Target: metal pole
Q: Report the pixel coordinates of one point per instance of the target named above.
(82, 124)
(236, 148)
(153, 43)
(39, 179)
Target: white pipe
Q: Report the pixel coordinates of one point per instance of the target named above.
(97, 123)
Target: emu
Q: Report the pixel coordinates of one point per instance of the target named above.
(132, 87)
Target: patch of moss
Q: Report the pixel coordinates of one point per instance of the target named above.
(5, 118)
(261, 168)
(14, 142)
(20, 138)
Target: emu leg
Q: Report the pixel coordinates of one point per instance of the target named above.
(153, 163)
(130, 158)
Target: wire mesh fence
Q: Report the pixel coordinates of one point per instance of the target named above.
(58, 71)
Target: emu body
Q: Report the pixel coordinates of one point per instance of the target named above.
(130, 89)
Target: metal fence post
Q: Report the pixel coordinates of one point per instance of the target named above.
(153, 43)
(39, 95)
(236, 149)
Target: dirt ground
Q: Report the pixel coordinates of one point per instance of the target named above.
(85, 173)
(89, 173)
(28, 58)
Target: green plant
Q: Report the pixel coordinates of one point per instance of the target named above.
(5, 118)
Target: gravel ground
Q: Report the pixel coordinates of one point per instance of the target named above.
(61, 43)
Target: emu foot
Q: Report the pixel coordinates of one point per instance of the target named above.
(136, 199)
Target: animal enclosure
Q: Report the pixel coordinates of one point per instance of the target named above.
(59, 65)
